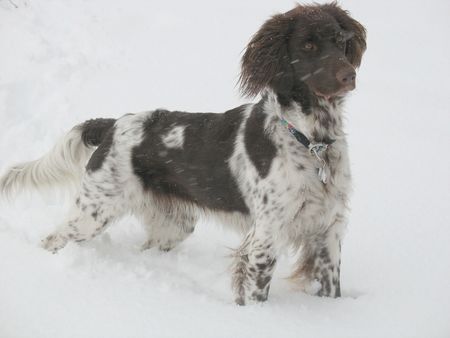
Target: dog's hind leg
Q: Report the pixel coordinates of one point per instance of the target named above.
(167, 228)
(98, 204)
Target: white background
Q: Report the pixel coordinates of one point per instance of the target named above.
(62, 62)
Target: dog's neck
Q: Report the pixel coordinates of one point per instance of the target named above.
(322, 123)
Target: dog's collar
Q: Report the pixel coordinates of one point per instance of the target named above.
(301, 138)
(315, 149)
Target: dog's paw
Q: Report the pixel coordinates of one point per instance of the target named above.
(162, 246)
(53, 243)
(308, 286)
(147, 245)
(167, 246)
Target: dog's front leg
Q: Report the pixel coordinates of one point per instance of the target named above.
(318, 268)
(254, 264)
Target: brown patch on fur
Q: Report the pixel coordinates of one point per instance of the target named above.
(356, 46)
(266, 59)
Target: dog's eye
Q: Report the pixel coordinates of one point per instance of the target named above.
(309, 46)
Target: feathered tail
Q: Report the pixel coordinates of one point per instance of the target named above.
(63, 165)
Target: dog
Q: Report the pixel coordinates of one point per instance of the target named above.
(276, 170)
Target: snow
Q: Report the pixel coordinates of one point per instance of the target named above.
(67, 61)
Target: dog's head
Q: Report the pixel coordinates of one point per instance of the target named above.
(306, 53)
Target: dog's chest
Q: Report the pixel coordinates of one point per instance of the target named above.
(317, 204)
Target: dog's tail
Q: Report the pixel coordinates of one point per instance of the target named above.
(64, 164)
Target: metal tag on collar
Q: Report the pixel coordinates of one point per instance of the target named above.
(316, 149)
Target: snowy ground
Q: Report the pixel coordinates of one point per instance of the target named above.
(65, 61)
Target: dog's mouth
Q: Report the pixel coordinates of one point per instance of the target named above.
(332, 96)
(324, 96)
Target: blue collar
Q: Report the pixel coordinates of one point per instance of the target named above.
(314, 148)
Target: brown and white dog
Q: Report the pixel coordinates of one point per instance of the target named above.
(277, 170)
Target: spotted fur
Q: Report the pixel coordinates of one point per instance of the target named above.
(242, 166)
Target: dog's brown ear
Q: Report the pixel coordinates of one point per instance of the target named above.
(266, 59)
(356, 45)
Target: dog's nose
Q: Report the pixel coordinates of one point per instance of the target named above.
(346, 77)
